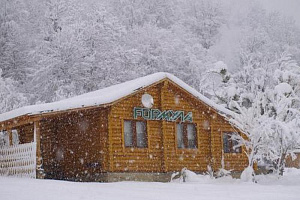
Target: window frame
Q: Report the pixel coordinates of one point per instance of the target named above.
(185, 136)
(135, 134)
(230, 143)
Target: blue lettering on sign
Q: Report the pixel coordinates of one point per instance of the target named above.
(167, 115)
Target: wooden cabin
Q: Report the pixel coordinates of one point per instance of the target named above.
(109, 134)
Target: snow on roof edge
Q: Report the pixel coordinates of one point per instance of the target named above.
(109, 95)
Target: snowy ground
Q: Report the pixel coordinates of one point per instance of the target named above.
(200, 187)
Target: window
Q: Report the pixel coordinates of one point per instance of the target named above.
(186, 136)
(15, 137)
(228, 144)
(4, 138)
(135, 134)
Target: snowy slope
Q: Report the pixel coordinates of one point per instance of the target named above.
(202, 188)
(109, 95)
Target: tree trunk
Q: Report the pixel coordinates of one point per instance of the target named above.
(281, 164)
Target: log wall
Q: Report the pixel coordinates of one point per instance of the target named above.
(134, 159)
(293, 162)
(26, 133)
(162, 154)
(73, 144)
(194, 159)
(232, 161)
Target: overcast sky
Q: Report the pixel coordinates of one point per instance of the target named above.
(288, 7)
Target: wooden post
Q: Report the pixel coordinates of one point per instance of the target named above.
(37, 140)
(10, 139)
(210, 150)
(110, 148)
(164, 124)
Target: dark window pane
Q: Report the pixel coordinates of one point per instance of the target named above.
(128, 134)
(180, 143)
(229, 144)
(141, 134)
(226, 145)
(191, 135)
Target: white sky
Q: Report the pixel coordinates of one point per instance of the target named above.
(287, 7)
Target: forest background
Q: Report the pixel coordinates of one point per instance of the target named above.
(55, 49)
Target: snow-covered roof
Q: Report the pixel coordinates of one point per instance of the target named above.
(109, 95)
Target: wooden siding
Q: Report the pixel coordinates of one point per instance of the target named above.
(176, 159)
(48, 130)
(162, 154)
(134, 159)
(73, 144)
(26, 133)
(293, 163)
(232, 161)
(15, 122)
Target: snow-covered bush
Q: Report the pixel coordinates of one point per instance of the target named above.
(223, 172)
(186, 175)
(247, 174)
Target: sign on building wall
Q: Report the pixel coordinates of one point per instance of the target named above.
(156, 114)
